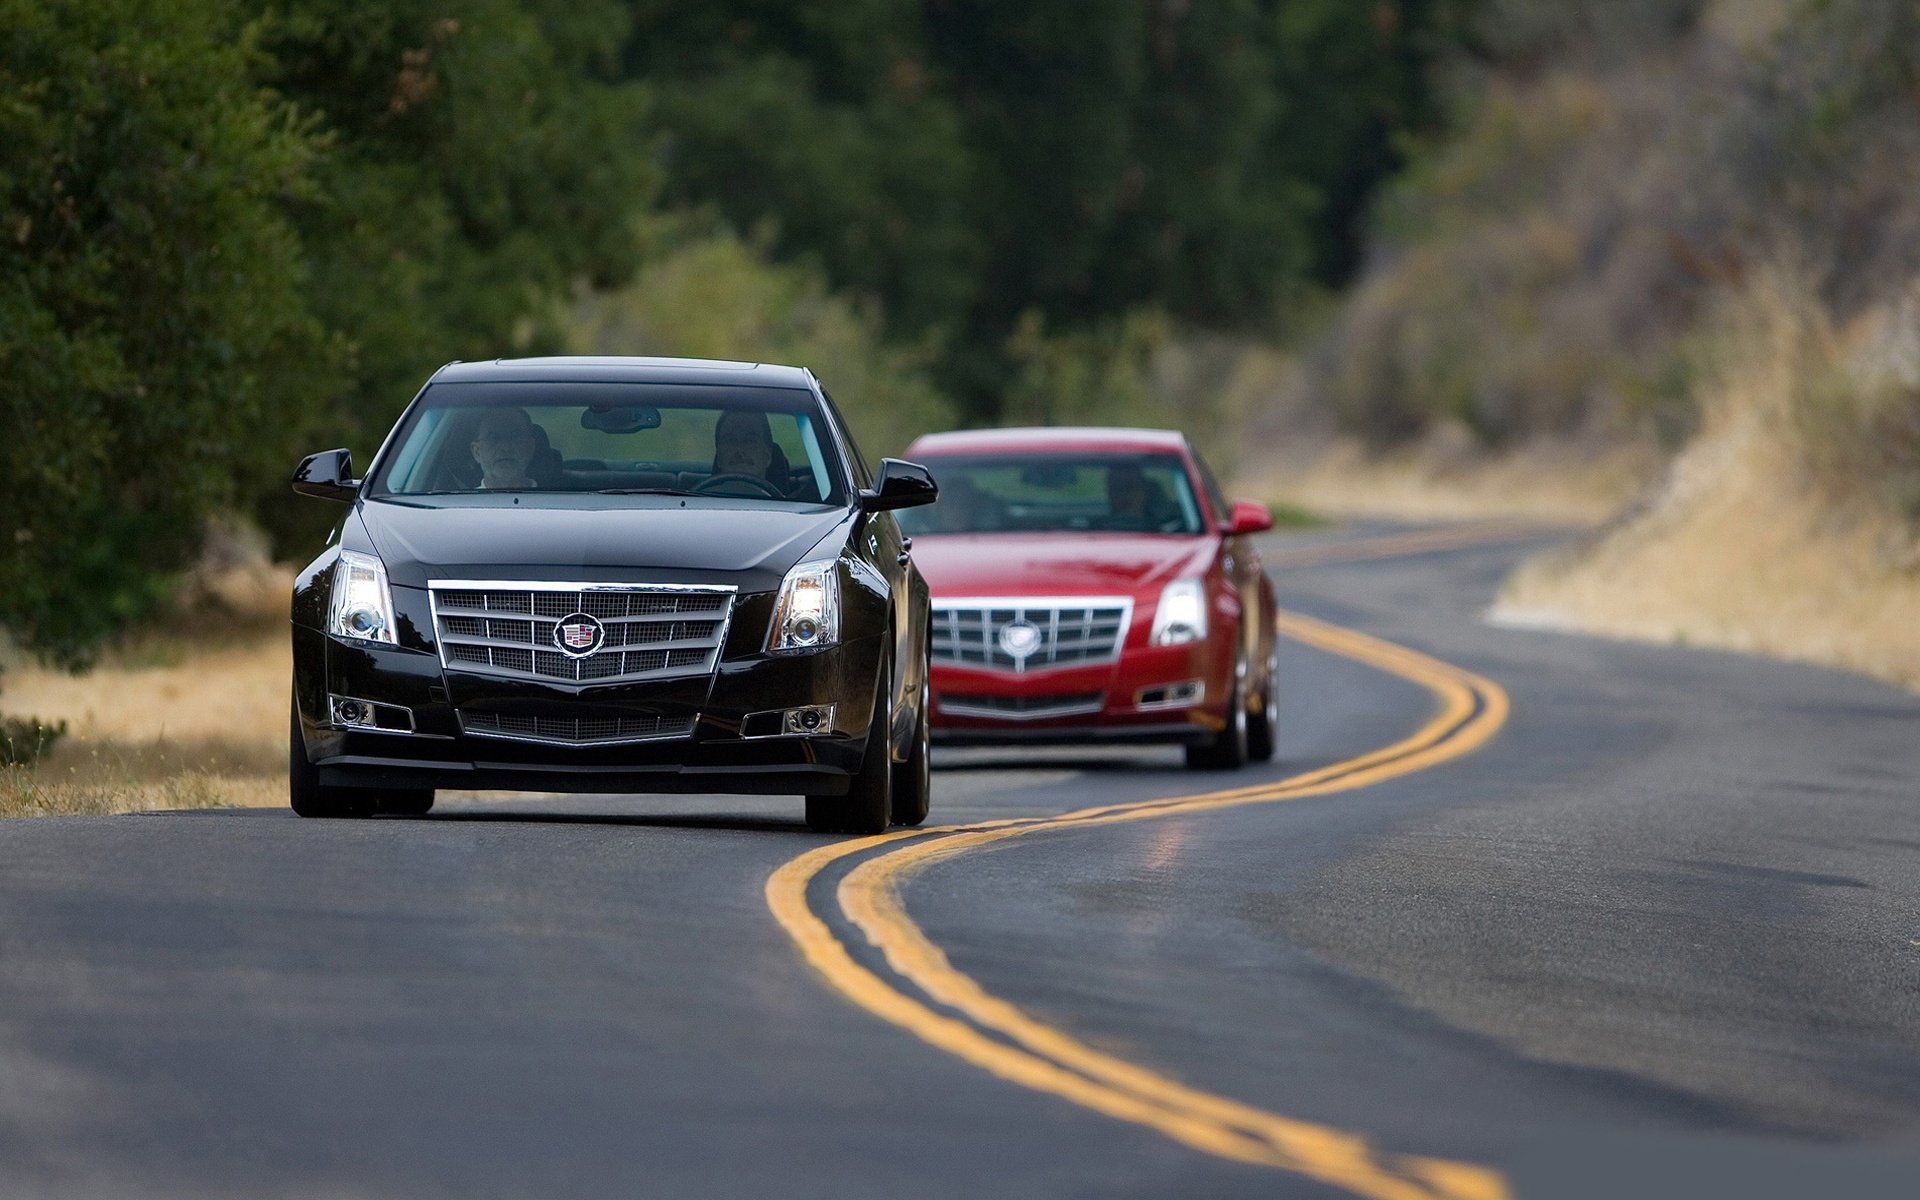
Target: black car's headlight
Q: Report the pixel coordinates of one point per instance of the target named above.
(362, 606)
(807, 615)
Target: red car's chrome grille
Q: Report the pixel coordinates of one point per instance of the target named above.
(646, 631)
(1029, 634)
(1021, 708)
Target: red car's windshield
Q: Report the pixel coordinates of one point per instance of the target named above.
(1130, 493)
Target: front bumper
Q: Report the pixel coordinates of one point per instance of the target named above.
(1137, 698)
(729, 743)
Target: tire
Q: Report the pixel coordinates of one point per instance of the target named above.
(1264, 730)
(913, 779)
(412, 802)
(868, 804)
(1226, 750)
(304, 790)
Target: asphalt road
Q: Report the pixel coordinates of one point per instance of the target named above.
(1660, 936)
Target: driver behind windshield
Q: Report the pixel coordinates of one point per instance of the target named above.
(743, 445)
(504, 445)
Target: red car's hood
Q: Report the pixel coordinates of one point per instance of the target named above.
(1056, 564)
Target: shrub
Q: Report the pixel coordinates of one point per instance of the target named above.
(706, 293)
(24, 742)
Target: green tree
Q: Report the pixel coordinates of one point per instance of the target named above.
(483, 158)
(153, 330)
(967, 163)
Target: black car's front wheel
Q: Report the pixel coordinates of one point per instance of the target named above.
(868, 805)
(309, 797)
(913, 779)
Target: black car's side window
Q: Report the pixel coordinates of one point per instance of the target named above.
(856, 461)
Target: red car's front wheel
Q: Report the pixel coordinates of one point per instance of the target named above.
(1227, 749)
(1264, 730)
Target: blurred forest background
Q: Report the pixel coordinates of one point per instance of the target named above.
(233, 231)
(1678, 239)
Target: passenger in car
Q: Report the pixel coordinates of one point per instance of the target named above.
(1134, 502)
(504, 445)
(545, 469)
(743, 445)
(964, 508)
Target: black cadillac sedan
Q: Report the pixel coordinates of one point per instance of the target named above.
(614, 575)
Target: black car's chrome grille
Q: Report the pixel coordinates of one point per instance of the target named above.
(1022, 708)
(1067, 632)
(647, 631)
(573, 731)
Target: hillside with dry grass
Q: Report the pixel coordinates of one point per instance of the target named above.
(1665, 264)
(190, 713)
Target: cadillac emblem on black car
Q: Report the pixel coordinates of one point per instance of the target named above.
(614, 575)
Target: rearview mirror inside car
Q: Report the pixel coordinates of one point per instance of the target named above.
(620, 418)
(1051, 476)
(328, 475)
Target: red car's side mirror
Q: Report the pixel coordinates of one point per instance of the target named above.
(1249, 517)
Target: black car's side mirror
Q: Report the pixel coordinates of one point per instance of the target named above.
(328, 475)
(901, 485)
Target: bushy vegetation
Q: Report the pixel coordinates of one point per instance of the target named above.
(706, 293)
(1614, 194)
(975, 168)
(24, 742)
(152, 323)
(232, 230)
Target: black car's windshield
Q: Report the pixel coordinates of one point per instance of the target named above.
(1133, 493)
(616, 439)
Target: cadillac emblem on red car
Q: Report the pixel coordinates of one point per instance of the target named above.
(1092, 585)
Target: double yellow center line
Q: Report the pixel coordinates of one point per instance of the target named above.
(999, 1037)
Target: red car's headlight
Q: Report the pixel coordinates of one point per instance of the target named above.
(1181, 615)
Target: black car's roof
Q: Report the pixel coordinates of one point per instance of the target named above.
(613, 369)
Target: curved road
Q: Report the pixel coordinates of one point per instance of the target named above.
(1514, 913)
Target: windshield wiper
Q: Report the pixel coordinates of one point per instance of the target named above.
(652, 491)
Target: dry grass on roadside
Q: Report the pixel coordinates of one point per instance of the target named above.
(1734, 562)
(25, 792)
(168, 721)
(1755, 542)
(231, 694)
(1448, 478)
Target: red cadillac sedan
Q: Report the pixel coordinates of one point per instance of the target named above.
(1092, 586)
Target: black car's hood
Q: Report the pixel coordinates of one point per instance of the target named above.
(594, 539)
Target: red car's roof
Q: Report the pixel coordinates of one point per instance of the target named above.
(1046, 439)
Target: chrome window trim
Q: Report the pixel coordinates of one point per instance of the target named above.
(544, 585)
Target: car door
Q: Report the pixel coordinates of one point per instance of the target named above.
(877, 541)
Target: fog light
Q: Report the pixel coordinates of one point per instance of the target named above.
(347, 712)
(815, 718)
(1172, 695)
